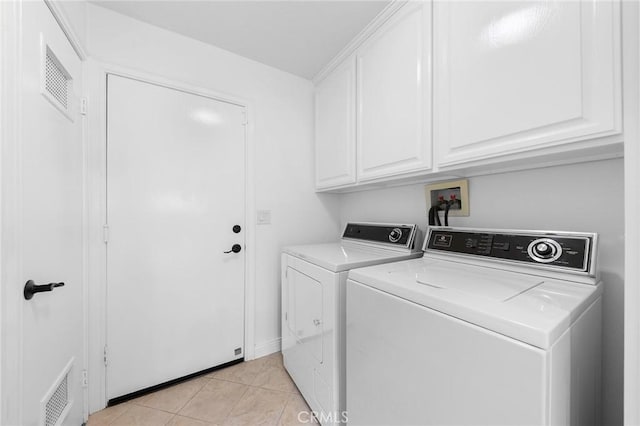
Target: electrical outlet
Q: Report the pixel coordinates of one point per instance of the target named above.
(453, 192)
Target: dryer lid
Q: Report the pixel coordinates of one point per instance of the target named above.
(362, 244)
(339, 257)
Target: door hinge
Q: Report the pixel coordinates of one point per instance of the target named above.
(83, 106)
(286, 316)
(105, 233)
(245, 120)
(104, 356)
(85, 379)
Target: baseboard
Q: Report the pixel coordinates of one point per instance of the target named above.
(267, 348)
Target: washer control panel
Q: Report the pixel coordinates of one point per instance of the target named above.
(563, 249)
(381, 233)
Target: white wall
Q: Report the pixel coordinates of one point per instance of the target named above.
(583, 197)
(282, 122)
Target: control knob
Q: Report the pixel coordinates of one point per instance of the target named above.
(395, 235)
(544, 250)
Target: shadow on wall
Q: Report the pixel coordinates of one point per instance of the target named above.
(613, 347)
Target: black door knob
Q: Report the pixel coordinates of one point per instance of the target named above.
(237, 228)
(30, 288)
(236, 249)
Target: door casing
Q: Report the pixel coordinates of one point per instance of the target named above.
(96, 205)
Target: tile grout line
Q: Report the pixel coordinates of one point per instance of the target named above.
(236, 403)
(199, 419)
(283, 410)
(295, 391)
(193, 396)
(119, 415)
(281, 413)
(264, 367)
(171, 418)
(165, 411)
(208, 379)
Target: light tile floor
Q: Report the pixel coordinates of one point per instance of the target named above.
(258, 392)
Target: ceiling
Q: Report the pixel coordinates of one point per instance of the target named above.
(297, 36)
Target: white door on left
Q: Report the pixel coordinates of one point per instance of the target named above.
(49, 191)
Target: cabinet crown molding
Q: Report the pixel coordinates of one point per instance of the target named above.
(355, 43)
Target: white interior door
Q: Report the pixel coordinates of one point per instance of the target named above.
(50, 232)
(175, 190)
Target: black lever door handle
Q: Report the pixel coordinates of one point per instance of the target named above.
(30, 288)
(235, 249)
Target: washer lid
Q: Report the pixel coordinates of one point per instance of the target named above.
(338, 257)
(480, 282)
(534, 310)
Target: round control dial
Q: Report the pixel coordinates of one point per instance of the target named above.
(544, 250)
(395, 235)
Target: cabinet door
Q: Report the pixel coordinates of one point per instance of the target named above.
(394, 96)
(308, 311)
(335, 127)
(512, 77)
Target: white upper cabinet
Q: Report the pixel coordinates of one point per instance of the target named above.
(512, 77)
(335, 127)
(394, 96)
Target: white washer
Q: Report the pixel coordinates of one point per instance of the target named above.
(490, 327)
(313, 307)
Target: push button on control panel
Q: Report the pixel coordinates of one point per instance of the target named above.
(442, 240)
(500, 245)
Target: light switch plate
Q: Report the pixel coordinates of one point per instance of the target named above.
(264, 217)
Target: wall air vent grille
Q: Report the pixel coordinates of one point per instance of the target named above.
(57, 402)
(57, 80)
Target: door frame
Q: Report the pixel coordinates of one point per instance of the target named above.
(97, 196)
(11, 386)
(632, 228)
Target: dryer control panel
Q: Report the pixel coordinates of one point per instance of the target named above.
(564, 250)
(385, 234)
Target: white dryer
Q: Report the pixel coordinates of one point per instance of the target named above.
(490, 327)
(313, 307)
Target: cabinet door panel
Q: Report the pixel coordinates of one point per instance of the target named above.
(394, 96)
(335, 127)
(308, 312)
(516, 76)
